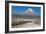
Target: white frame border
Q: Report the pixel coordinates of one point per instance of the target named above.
(33, 28)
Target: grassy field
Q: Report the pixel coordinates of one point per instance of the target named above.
(19, 23)
(26, 23)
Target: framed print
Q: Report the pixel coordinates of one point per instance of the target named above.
(24, 16)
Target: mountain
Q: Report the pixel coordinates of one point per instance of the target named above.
(29, 11)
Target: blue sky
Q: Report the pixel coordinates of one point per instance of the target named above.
(19, 9)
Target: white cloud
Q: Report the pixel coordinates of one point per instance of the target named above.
(29, 11)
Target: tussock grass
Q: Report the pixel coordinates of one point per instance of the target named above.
(19, 23)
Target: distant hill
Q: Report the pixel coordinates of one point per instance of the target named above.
(25, 16)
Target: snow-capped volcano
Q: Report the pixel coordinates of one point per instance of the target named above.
(29, 12)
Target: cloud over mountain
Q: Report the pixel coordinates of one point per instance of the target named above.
(29, 11)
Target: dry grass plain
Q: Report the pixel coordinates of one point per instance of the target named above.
(25, 23)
